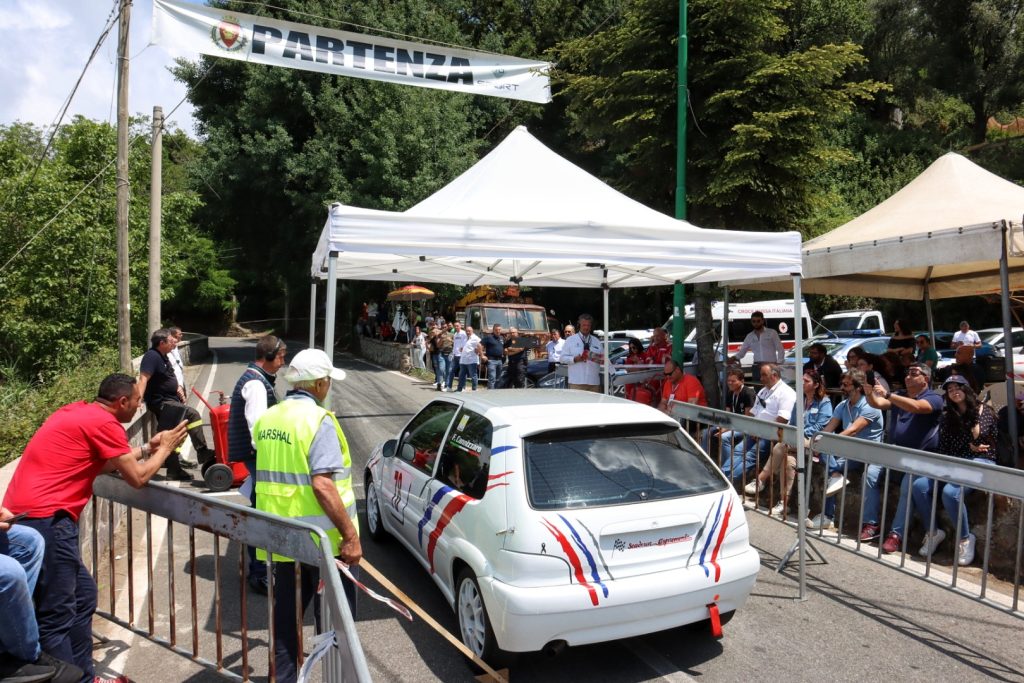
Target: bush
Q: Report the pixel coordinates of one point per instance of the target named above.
(24, 406)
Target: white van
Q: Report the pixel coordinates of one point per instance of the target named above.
(778, 315)
(845, 323)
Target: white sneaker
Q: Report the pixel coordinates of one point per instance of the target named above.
(779, 510)
(966, 550)
(836, 483)
(932, 541)
(819, 521)
(753, 487)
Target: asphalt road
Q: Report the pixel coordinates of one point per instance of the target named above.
(860, 620)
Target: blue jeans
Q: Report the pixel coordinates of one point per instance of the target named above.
(872, 489)
(65, 594)
(729, 439)
(257, 569)
(952, 501)
(453, 370)
(468, 369)
(440, 362)
(744, 455)
(286, 639)
(493, 373)
(21, 557)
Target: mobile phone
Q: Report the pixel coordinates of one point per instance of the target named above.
(15, 519)
(870, 374)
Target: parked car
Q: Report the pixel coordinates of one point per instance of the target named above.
(994, 336)
(837, 347)
(560, 518)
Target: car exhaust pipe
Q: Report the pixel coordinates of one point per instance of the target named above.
(554, 648)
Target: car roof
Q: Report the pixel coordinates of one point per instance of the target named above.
(533, 410)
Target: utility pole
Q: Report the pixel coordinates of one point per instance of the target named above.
(124, 337)
(679, 294)
(153, 316)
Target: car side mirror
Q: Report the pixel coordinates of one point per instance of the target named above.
(389, 448)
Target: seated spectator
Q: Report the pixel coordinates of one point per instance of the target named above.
(892, 367)
(740, 399)
(775, 403)
(817, 413)
(852, 356)
(871, 365)
(824, 365)
(902, 339)
(926, 353)
(855, 418)
(967, 430)
(21, 657)
(52, 485)
(681, 387)
(965, 367)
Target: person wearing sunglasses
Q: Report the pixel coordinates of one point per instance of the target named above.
(915, 415)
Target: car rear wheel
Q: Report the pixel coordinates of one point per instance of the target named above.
(373, 519)
(475, 625)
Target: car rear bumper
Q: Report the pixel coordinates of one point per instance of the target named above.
(526, 619)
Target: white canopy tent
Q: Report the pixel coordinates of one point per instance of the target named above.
(523, 214)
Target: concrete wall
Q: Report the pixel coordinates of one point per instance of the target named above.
(387, 354)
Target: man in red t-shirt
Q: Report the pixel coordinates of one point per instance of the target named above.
(658, 351)
(53, 483)
(681, 387)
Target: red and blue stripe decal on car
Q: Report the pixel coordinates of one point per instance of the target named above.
(586, 552)
(574, 560)
(720, 524)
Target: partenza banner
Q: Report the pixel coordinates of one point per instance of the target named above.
(211, 31)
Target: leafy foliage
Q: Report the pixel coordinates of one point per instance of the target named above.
(58, 295)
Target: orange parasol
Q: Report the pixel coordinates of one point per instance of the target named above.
(411, 293)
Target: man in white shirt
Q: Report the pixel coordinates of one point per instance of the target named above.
(965, 337)
(554, 349)
(775, 402)
(176, 363)
(583, 353)
(458, 341)
(469, 359)
(763, 341)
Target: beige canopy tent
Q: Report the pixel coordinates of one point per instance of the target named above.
(955, 230)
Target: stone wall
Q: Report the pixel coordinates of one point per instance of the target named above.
(386, 354)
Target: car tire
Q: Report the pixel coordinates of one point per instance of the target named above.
(475, 624)
(374, 521)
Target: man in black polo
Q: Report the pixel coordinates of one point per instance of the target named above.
(159, 388)
(515, 351)
(252, 396)
(824, 364)
(494, 348)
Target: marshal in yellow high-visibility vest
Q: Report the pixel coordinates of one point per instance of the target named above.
(284, 485)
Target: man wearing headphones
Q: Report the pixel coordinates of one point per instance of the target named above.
(252, 396)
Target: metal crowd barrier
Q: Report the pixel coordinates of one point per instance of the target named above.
(992, 487)
(219, 521)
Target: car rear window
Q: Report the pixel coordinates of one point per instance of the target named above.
(597, 466)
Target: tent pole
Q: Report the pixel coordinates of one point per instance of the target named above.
(801, 456)
(607, 331)
(1004, 281)
(928, 306)
(332, 300)
(312, 314)
(724, 341)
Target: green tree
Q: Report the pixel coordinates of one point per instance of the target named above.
(57, 269)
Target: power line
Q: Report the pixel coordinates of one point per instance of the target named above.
(55, 126)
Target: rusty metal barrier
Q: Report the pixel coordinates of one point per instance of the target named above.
(214, 521)
(996, 492)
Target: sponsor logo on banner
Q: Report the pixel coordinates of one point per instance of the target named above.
(264, 40)
(228, 35)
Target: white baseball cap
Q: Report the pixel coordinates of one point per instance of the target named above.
(310, 364)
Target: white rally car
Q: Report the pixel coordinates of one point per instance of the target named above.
(554, 518)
